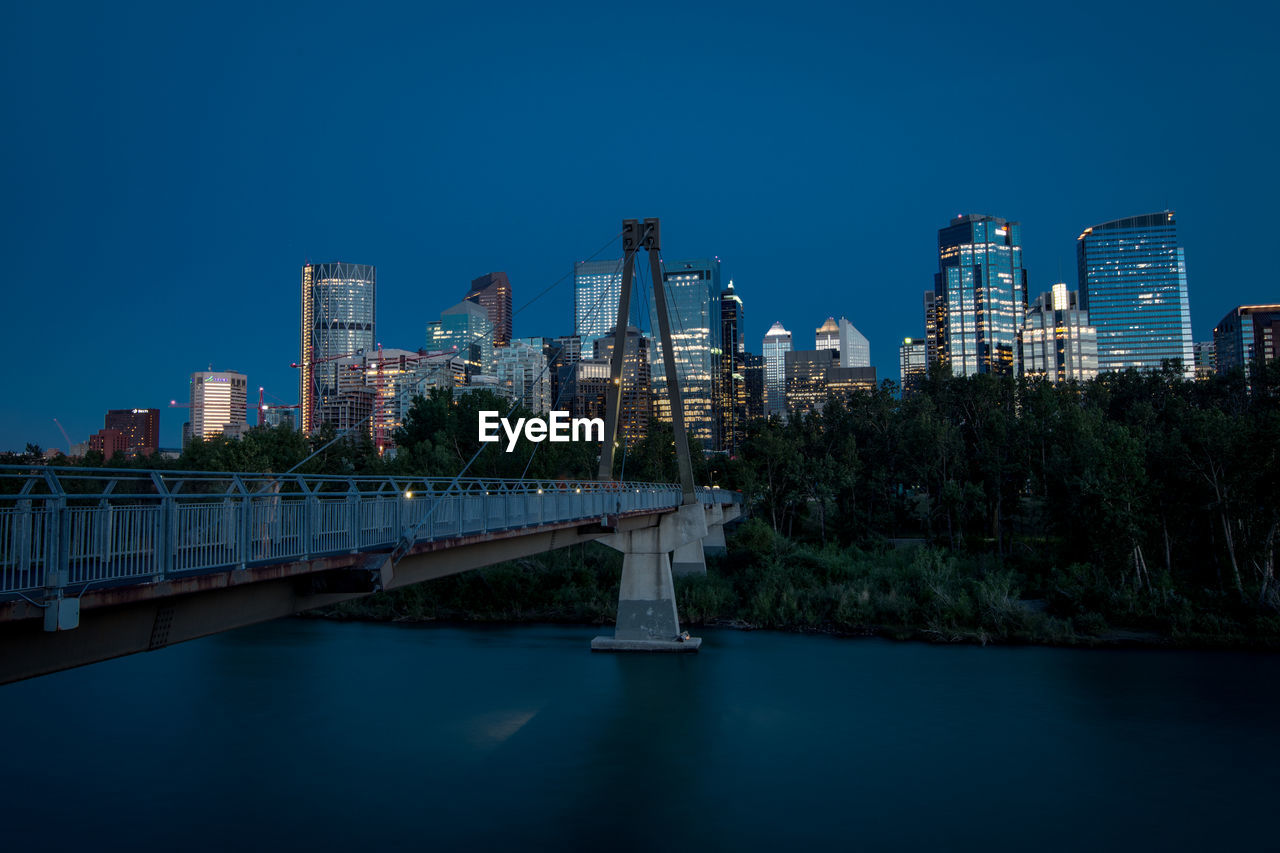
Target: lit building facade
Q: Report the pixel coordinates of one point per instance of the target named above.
(1058, 343)
(521, 368)
(827, 336)
(1133, 282)
(109, 442)
(1205, 360)
(465, 328)
(636, 405)
(980, 295)
(913, 363)
(597, 287)
(492, 292)
(339, 306)
(1246, 336)
(844, 338)
(733, 384)
(753, 380)
(217, 401)
(855, 349)
(693, 305)
(140, 427)
(777, 343)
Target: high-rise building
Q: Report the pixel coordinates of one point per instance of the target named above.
(753, 380)
(777, 343)
(733, 384)
(1133, 282)
(466, 328)
(1058, 342)
(980, 295)
(844, 338)
(1246, 336)
(376, 389)
(693, 305)
(589, 383)
(1205, 360)
(636, 405)
(217, 402)
(932, 333)
(827, 336)
(913, 363)
(521, 367)
(492, 292)
(339, 306)
(597, 287)
(140, 427)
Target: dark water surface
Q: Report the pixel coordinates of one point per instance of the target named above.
(310, 734)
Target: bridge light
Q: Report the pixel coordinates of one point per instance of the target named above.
(539, 491)
(408, 493)
(578, 490)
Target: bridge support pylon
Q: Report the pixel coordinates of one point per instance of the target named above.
(647, 618)
(714, 543)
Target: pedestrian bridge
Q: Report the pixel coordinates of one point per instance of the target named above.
(98, 563)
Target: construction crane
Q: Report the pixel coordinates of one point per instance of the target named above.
(263, 407)
(64, 435)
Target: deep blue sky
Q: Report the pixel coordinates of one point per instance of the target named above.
(167, 169)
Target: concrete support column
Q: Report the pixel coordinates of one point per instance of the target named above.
(689, 559)
(714, 543)
(647, 618)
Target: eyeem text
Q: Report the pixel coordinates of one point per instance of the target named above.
(557, 427)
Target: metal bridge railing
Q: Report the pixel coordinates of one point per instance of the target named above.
(66, 527)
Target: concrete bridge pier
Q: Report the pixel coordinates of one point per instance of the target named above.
(714, 543)
(647, 618)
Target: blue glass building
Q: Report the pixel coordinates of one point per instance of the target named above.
(980, 295)
(1133, 283)
(597, 286)
(693, 303)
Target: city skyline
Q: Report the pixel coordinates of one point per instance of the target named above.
(175, 208)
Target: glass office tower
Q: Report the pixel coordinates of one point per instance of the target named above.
(339, 302)
(492, 292)
(597, 286)
(1057, 341)
(1133, 283)
(693, 304)
(980, 294)
(777, 343)
(733, 385)
(1247, 337)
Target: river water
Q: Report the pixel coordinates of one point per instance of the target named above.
(319, 735)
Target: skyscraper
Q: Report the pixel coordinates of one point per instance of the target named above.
(913, 363)
(1133, 282)
(217, 402)
(733, 384)
(777, 343)
(855, 349)
(597, 286)
(980, 295)
(636, 402)
(339, 305)
(1246, 336)
(693, 304)
(466, 327)
(1058, 342)
(827, 336)
(492, 292)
